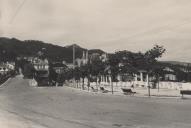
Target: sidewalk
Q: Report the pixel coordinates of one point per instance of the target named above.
(140, 92)
(159, 93)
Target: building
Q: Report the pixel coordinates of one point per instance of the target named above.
(70, 65)
(82, 61)
(40, 64)
(169, 74)
(104, 57)
(3, 69)
(11, 65)
(59, 68)
(41, 75)
(6, 67)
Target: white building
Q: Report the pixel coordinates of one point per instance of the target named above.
(40, 64)
(6, 67)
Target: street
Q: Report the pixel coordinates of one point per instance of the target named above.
(22, 106)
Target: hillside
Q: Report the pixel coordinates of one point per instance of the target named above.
(11, 48)
(91, 51)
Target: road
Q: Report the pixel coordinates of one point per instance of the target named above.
(22, 106)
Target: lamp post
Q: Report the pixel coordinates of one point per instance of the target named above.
(159, 79)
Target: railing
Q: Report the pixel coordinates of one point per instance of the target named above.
(4, 78)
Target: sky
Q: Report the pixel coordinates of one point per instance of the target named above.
(110, 25)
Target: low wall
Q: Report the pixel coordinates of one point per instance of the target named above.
(186, 86)
(175, 85)
(170, 85)
(119, 85)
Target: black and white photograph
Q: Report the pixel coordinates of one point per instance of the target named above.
(95, 64)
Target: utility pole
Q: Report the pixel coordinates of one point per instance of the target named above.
(148, 85)
(111, 85)
(159, 78)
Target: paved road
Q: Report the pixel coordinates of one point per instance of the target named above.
(22, 106)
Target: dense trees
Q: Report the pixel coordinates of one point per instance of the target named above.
(121, 62)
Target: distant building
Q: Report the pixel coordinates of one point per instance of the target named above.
(41, 67)
(170, 77)
(3, 69)
(11, 65)
(6, 67)
(169, 74)
(82, 61)
(70, 65)
(104, 57)
(86, 57)
(40, 64)
(78, 61)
